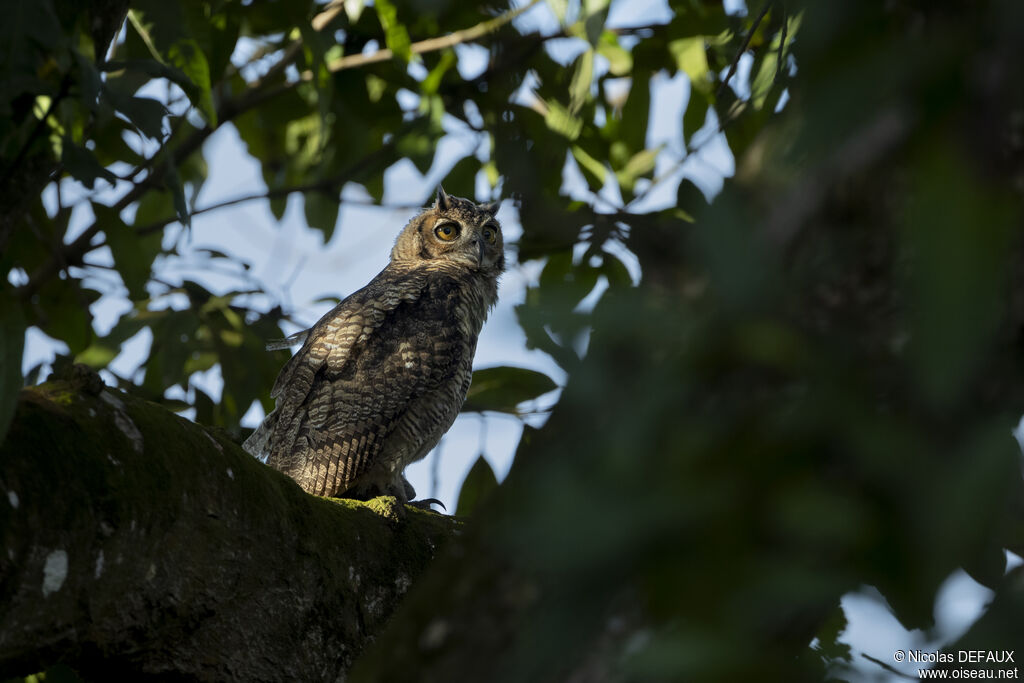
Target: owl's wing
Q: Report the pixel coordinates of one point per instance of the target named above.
(334, 335)
(362, 380)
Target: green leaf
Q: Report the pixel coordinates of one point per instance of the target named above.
(110, 144)
(12, 343)
(65, 315)
(432, 82)
(171, 34)
(217, 32)
(560, 9)
(322, 212)
(155, 206)
(620, 61)
(764, 68)
(698, 19)
(145, 113)
(304, 138)
(97, 355)
(636, 115)
(278, 205)
(583, 75)
(90, 82)
(491, 171)
(461, 180)
(696, 114)
(82, 165)
(476, 487)
(594, 14)
(187, 69)
(692, 60)
(193, 171)
(503, 388)
(375, 187)
(593, 170)
(828, 636)
(638, 166)
(562, 121)
(133, 253)
(104, 349)
(689, 198)
(395, 34)
(615, 271)
(375, 87)
(354, 8)
(174, 337)
(173, 182)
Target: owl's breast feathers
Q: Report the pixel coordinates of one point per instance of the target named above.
(377, 382)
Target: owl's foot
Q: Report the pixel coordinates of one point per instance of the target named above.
(402, 484)
(426, 503)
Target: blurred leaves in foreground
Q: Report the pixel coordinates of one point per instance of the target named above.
(811, 390)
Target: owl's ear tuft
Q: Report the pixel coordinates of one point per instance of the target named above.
(443, 202)
(490, 207)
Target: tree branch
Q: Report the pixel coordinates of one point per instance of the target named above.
(743, 48)
(180, 552)
(275, 193)
(466, 35)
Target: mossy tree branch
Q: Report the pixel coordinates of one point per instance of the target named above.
(137, 542)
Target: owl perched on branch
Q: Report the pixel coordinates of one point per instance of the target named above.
(382, 376)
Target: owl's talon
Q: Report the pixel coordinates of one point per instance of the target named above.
(426, 503)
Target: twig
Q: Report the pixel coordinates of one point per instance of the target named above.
(743, 48)
(275, 193)
(299, 266)
(430, 44)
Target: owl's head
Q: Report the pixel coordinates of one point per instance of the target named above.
(456, 230)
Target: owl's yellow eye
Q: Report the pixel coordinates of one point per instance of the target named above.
(490, 234)
(447, 231)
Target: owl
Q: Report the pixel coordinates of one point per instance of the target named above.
(382, 376)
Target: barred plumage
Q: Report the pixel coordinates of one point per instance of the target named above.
(382, 376)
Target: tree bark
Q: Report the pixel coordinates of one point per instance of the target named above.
(138, 543)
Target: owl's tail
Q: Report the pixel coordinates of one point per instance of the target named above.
(258, 443)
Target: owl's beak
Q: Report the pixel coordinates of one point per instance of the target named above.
(480, 252)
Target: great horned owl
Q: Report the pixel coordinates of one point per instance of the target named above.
(382, 376)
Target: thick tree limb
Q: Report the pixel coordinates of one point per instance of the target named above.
(137, 542)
